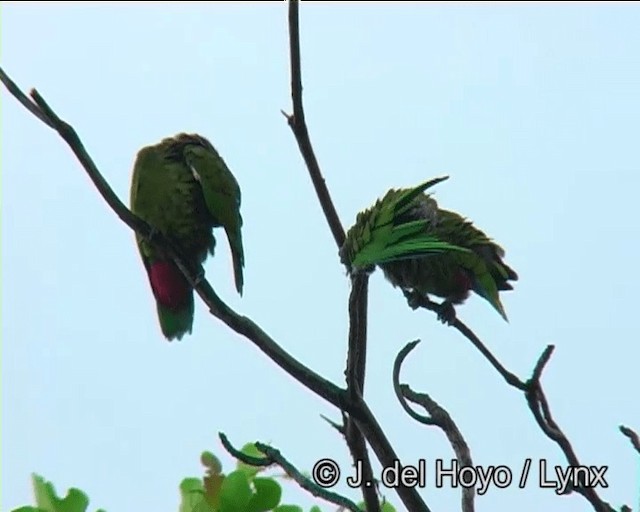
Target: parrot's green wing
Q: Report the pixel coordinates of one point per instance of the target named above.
(380, 235)
(222, 197)
(483, 262)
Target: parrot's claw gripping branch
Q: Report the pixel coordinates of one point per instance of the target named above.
(446, 313)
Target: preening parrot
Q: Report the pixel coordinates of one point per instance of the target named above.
(424, 249)
(183, 189)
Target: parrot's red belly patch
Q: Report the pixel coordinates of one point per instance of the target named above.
(462, 286)
(170, 287)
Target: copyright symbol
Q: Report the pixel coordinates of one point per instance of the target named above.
(325, 473)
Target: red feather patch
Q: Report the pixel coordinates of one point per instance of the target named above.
(170, 287)
(462, 286)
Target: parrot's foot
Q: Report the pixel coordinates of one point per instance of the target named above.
(446, 313)
(415, 299)
(153, 233)
(199, 276)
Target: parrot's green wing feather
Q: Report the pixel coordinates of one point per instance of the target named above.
(485, 283)
(222, 197)
(379, 236)
(450, 256)
(403, 250)
(483, 262)
(407, 197)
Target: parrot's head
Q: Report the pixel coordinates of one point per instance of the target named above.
(423, 207)
(176, 145)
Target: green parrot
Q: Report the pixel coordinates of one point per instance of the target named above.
(183, 189)
(426, 250)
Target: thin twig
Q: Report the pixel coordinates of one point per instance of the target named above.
(273, 457)
(299, 128)
(439, 417)
(22, 98)
(424, 302)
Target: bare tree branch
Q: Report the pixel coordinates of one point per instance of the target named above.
(335, 395)
(355, 375)
(273, 456)
(241, 324)
(22, 98)
(417, 299)
(299, 128)
(385, 453)
(438, 416)
(356, 359)
(535, 396)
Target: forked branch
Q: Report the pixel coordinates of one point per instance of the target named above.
(535, 397)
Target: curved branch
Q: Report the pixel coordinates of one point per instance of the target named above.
(258, 462)
(438, 417)
(273, 456)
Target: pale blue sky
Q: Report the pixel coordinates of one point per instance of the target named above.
(532, 110)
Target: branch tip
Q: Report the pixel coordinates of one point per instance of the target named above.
(632, 435)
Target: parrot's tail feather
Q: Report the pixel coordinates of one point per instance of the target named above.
(511, 274)
(176, 323)
(237, 274)
(237, 254)
(174, 299)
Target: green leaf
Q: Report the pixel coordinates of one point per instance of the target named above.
(192, 496)
(315, 508)
(288, 508)
(250, 450)
(211, 462)
(190, 485)
(48, 501)
(235, 493)
(387, 507)
(212, 486)
(267, 496)
(27, 509)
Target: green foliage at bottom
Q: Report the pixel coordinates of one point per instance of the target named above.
(241, 490)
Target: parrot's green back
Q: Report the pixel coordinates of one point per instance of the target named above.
(466, 260)
(168, 192)
(378, 236)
